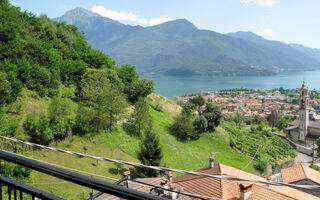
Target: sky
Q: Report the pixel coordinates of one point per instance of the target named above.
(290, 21)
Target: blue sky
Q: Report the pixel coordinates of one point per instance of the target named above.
(290, 21)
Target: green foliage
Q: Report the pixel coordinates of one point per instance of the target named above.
(127, 74)
(182, 127)
(102, 90)
(198, 101)
(142, 117)
(8, 126)
(138, 89)
(315, 167)
(318, 144)
(41, 54)
(274, 148)
(189, 109)
(37, 127)
(283, 122)
(85, 120)
(150, 153)
(157, 107)
(237, 118)
(16, 172)
(59, 121)
(61, 115)
(213, 115)
(5, 89)
(262, 164)
(200, 124)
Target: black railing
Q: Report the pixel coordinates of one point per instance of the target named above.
(16, 189)
(79, 179)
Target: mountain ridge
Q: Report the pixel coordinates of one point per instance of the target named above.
(178, 47)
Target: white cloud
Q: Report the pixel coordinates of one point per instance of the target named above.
(265, 32)
(160, 20)
(268, 3)
(123, 16)
(269, 16)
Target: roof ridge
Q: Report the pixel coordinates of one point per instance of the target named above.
(304, 172)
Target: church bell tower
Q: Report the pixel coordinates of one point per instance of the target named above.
(304, 112)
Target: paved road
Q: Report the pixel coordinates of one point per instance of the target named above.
(303, 158)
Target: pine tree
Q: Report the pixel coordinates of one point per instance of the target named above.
(150, 153)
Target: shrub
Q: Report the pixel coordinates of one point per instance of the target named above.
(84, 122)
(61, 117)
(200, 124)
(16, 172)
(315, 167)
(262, 165)
(182, 128)
(38, 129)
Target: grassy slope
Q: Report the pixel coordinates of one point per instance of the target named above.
(119, 145)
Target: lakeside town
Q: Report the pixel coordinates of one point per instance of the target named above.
(261, 102)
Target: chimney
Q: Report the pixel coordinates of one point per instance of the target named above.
(174, 195)
(170, 175)
(245, 191)
(211, 162)
(269, 179)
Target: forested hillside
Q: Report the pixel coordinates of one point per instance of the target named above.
(84, 88)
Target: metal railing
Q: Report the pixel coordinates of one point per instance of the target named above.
(79, 179)
(16, 189)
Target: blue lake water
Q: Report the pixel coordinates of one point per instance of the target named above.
(170, 86)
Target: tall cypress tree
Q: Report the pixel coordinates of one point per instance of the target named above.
(150, 153)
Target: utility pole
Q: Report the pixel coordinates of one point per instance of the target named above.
(260, 146)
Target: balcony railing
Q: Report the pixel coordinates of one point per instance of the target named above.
(72, 177)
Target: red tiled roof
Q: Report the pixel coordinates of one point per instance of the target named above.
(226, 189)
(298, 173)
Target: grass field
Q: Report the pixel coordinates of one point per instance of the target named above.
(118, 144)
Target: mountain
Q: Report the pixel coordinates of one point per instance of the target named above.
(315, 53)
(178, 48)
(288, 48)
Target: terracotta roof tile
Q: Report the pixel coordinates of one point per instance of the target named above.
(293, 174)
(226, 189)
(298, 173)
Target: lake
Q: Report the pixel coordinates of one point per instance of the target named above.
(170, 86)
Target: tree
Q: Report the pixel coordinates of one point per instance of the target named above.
(198, 101)
(182, 127)
(104, 96)
(283, 122)
(128, 74)
(273, 119)
(213, 115)
(141, 115)
(238, 119)
(5, 88)
(200, 125)
(115, 104)
(150, 153)
(138, 89)
(188, 109)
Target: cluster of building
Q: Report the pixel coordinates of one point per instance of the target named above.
(188, 187)
(251, 102)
